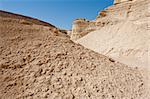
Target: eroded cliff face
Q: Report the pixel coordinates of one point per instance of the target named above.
(81, 27)
(123, 11)
(120, 1)
(121, 31)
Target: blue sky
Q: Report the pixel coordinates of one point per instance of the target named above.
(60, 13)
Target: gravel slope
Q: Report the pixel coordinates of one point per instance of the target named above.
(37, 62)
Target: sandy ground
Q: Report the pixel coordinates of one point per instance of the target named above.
(36, 63)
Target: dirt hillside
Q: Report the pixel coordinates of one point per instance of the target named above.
(38, 62)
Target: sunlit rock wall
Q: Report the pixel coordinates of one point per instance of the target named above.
(80, 28)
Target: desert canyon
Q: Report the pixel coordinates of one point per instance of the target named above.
(105, 58)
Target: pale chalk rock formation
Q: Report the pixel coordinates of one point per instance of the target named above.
(78, 26)
(81, 27)
(122, 32)
(119, 1)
